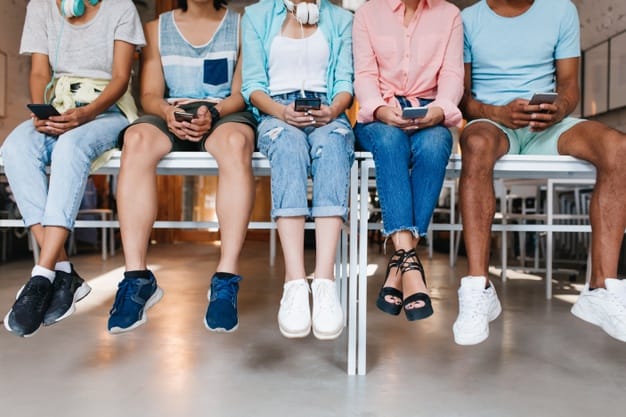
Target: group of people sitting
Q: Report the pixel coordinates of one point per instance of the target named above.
(279, 79)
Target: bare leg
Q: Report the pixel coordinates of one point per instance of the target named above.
(481, 144)
(327, 231)
(232, 145)
(51, 240)
(291, 232)
(144, 146)
(606, 149)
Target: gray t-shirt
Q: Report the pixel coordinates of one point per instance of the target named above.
(84, 50)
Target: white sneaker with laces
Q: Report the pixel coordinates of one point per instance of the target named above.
(477, 307)
(294, 314)
(327, 313)
(604, 307)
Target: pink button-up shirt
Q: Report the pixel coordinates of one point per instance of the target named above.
(423, 60)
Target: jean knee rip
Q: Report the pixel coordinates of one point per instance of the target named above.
(341, 131)
(274, 133)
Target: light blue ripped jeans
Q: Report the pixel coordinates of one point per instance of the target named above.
(55, 201)
(325, 153)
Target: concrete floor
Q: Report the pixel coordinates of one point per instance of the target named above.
(539, 360)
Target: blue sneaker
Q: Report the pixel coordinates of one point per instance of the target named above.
(221, 315)
(134, 297)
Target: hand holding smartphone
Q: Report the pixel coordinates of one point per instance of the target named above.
(541, 98)
(182, 116)
(414, 112)
(43, 111)
(304, 104)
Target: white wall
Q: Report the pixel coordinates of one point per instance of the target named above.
(599, 20)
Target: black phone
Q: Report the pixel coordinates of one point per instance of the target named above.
(43, 111)
(540, 98)
(304, 104)
(183, 116)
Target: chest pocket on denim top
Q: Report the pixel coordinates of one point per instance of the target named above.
(215, 71)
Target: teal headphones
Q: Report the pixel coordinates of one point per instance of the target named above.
(75, 8)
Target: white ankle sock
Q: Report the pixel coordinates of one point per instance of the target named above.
(64, 266)
(43, 272)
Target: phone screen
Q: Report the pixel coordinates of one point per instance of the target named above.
(182, 116)
(304, 104)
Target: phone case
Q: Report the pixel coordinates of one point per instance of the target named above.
(414, 112)
(43, 111)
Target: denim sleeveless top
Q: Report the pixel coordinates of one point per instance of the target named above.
(199, 71)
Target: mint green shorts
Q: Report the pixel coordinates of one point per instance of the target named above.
(523, 141)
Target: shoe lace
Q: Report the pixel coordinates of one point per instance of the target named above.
(325, 297)
(125, 291)
(290, 297)
(33, 295)
(223, 288)
(471, 303)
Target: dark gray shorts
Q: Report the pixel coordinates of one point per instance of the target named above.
(180, 145)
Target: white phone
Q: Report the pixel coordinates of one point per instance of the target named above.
(414, 112)
(540, 98)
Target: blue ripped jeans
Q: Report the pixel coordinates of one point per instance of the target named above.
(410, 169)
(325, 153)
(55, 200)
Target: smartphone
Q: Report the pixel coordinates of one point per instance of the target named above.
(304, 104)
(182, 116)
(414, 112)
(43, 111)
(540, 98)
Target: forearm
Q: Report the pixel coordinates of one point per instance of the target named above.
(231, 104)
(266, 105)
(474, 109)
(109, 96)
(340, 103)
(38, 84)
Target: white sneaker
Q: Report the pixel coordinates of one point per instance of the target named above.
(327, 313)
(477, 307)
(604, 307)
(294, 314)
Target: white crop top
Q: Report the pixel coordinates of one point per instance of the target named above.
(296, 64)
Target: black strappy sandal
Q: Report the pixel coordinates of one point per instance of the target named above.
(388, 307)
(411, 262)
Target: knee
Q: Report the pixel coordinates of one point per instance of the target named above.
(477, 146)
(139, 145)
(235, 148)
(614, 151)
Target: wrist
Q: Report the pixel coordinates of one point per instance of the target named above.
(215, 114)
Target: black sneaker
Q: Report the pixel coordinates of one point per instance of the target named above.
(68, 289)
(31, 304)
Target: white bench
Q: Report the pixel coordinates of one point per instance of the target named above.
(354, 289)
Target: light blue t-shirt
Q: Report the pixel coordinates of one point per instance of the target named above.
(514, 57)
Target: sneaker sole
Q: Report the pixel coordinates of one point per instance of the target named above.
(6, 326)
(156, 297)
(474, 339)
(294, 335)
(80, 293)
(220, 329)
(327, 336)
(6, 319)
(583, 313)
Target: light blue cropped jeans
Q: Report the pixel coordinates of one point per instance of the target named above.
(55, 200)
(325, 153)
